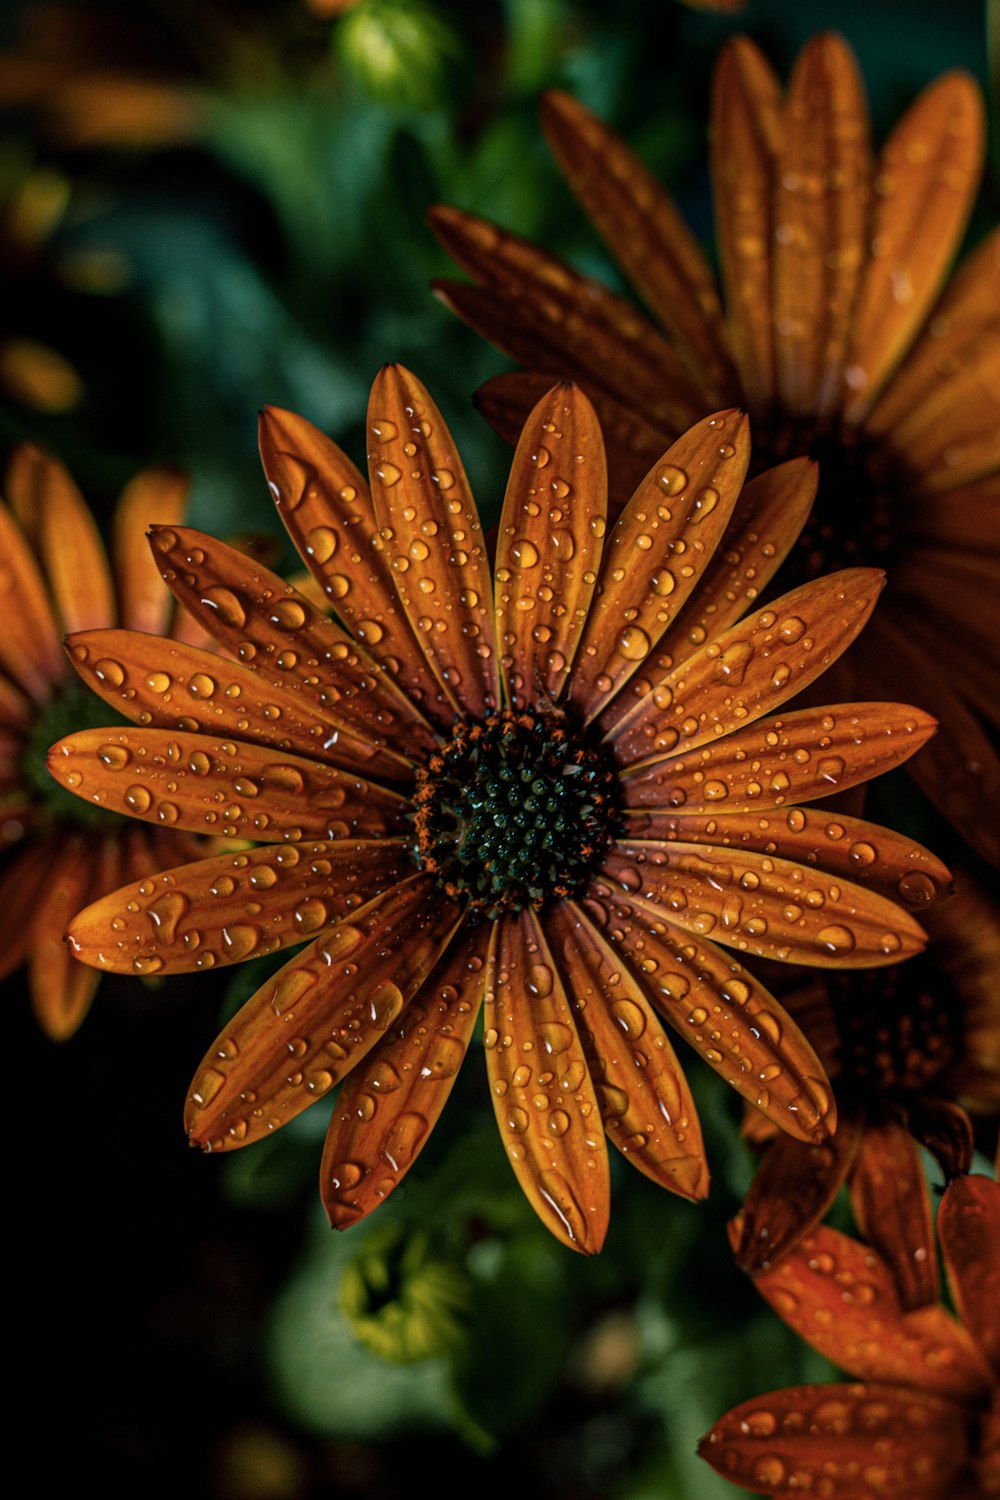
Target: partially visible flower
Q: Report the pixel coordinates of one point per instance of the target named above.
(398, 49)
(832, 337)
(540, 807)
(911, 1057)
(402, 1299)
(922, 1421)
(54, 576)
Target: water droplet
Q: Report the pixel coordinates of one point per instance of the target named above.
(671, 479)
(200, 685)
(110, 671)
(138, 799)
(227, 606)
(115, 757)
(633, 643)
(792, 629)
(732, 662)
(834, 940)
(159, 682)
(165, 913)
(310, 915)
(288, 614)
(524, 552)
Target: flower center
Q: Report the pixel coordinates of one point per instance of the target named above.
(896, 1033)
(72, 707)
(513, 810)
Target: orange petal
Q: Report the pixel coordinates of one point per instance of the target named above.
(748, 670)
(153, 497)
(949, 437)
(723, 1011)
(874, 857)
(386, 1109)
(155, 681)
(327, 509)
(313, 1021)
(29, 642)
(966, 518)
(72, 552)
(428, 520)
(891, 1204)
(647, 236)
(969, 1229)
(806, 754)
(746, 138)
(655, 556)
(543, 1096)
(846, 1442)
(958, 641)
(205, 785)
(549, 545)
(61, 988)
(233, 906)
(945, 1130)
(281, 636)
(644, 1098)
(763, 904)
(840, 1297)
(794, 1187)
(23, 885)
(927, 178)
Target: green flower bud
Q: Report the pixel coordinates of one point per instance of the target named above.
(401, 1301)
(397, 49)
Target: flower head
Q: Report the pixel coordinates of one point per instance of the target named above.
(922, 1420)
(832, 336)
(55, 577)
(537, 800)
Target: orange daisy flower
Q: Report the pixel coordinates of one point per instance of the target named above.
(539, 803)
(923, 1420)
(56, 577)
(913, 1058)
(832, 338)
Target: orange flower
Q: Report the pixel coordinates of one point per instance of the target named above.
(55, 576)
(540, 808)
(832, 259)
(910, 1057)
(923, 1422)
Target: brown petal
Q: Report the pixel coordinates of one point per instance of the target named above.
(549, 545)
(945, 1130)
(29, 641)
(949, 437)
(969, 1229)
(644, 1098)
(327, 509)
(281, 636)
(203, 784)
(723, 1011)
(846, 1442)
(429, 523)
(891, 1204)
(543, 1096)
(822, 193)
(958, 640)
(967, 517)
(23, 886)
(806, 754)
(61, 988)
(387, 1108)
(72, 552)
(794, 1187)
(155, 681)
(746, 138)
(234, 906)
(153, 497)
(655, 556)
(15, 709)
(748, 670)
(645, 233)
(927, 178)
(313, 1021)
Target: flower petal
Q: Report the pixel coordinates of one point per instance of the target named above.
(386, 1109)
(23, 886)
(794, 1186)
(155, 681)
(893, 1210)
(949, 437)
(327, 509)
(72, 552)
(318, 1016)
(29, 642)
(263, 622)
(967, 517)
(61, 988)
(644, 1097)
(748, 670)
(746, 138)
(846, 1442)
(945, 1130)
(234, 906)
(956, 638)
(154, 496)
(429, 523)
(969, 1230)
(810, 753)
(15, 709)
(206, 785)
(543, 1095)
(654, 558)
(647, 237)
(549, 545)
(723, 1011)
(822, 196)
(926, 182)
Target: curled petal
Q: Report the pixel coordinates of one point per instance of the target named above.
(234, 906)
(388, 1107)
(153, 497)
(793, 1188)
(543, 1096)
(893, 1210)
(306, 1027)
(969, 1229)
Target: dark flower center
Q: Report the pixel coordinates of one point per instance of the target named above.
(513, 810)
(897, 1032)
(72, 707)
